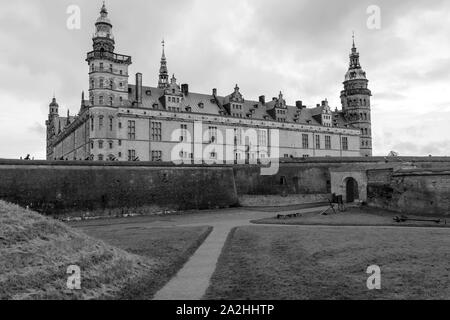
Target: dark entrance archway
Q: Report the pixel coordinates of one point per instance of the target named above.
(351, 187)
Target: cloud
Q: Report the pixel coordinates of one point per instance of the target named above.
(300, 47)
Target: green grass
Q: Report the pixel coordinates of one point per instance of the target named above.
(131, 263)
(268, 262)
(363, 216)
(168, 247)
(35, 252)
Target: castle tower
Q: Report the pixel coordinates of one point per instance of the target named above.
(53, 115)
(163, 80)
(355, 99)
(108, 71)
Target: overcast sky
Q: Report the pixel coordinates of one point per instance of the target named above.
(297, 46)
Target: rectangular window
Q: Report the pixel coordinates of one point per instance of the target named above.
(344, 143)
(212, 134)
(305, 141)
(237, 136)
(183, 136)
(100, 122)
(110, 124)
(120, 142)
(100, 100)
(100, 144)
(156, 131)
(110, 144)
(131, 155)
(317, 142)
(131, 129)
(156, 155)
(262, 138)
(328, 142)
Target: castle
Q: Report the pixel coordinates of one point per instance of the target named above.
(124, 122)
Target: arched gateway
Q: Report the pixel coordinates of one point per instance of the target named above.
(351, 189)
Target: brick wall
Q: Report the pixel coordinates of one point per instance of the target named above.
(68, 188)
(419, 191)
(60, 187)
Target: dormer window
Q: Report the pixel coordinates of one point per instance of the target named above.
(201, 105)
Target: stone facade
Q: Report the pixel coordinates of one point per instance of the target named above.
(124, 122)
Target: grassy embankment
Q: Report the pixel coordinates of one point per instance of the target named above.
(35, 252)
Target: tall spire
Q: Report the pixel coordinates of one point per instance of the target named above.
(103, 37)
(163, 81)
(353, 37)
(354, 55)
(103, 10)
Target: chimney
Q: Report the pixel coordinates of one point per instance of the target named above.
(299, 104)
(185, 89)
(139, 88)
(262, 99)
(214, 92)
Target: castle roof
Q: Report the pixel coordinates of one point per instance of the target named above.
(209, 104)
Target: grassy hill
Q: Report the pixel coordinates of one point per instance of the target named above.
(35, 252)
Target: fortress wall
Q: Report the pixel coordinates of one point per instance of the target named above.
(312, 175)
(416, 191)
(102, 190)
(71, 187)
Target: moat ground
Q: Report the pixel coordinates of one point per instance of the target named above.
(302, 262)
(311, 261)
(220, 254)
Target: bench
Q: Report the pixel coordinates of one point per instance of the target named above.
(288, 215)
